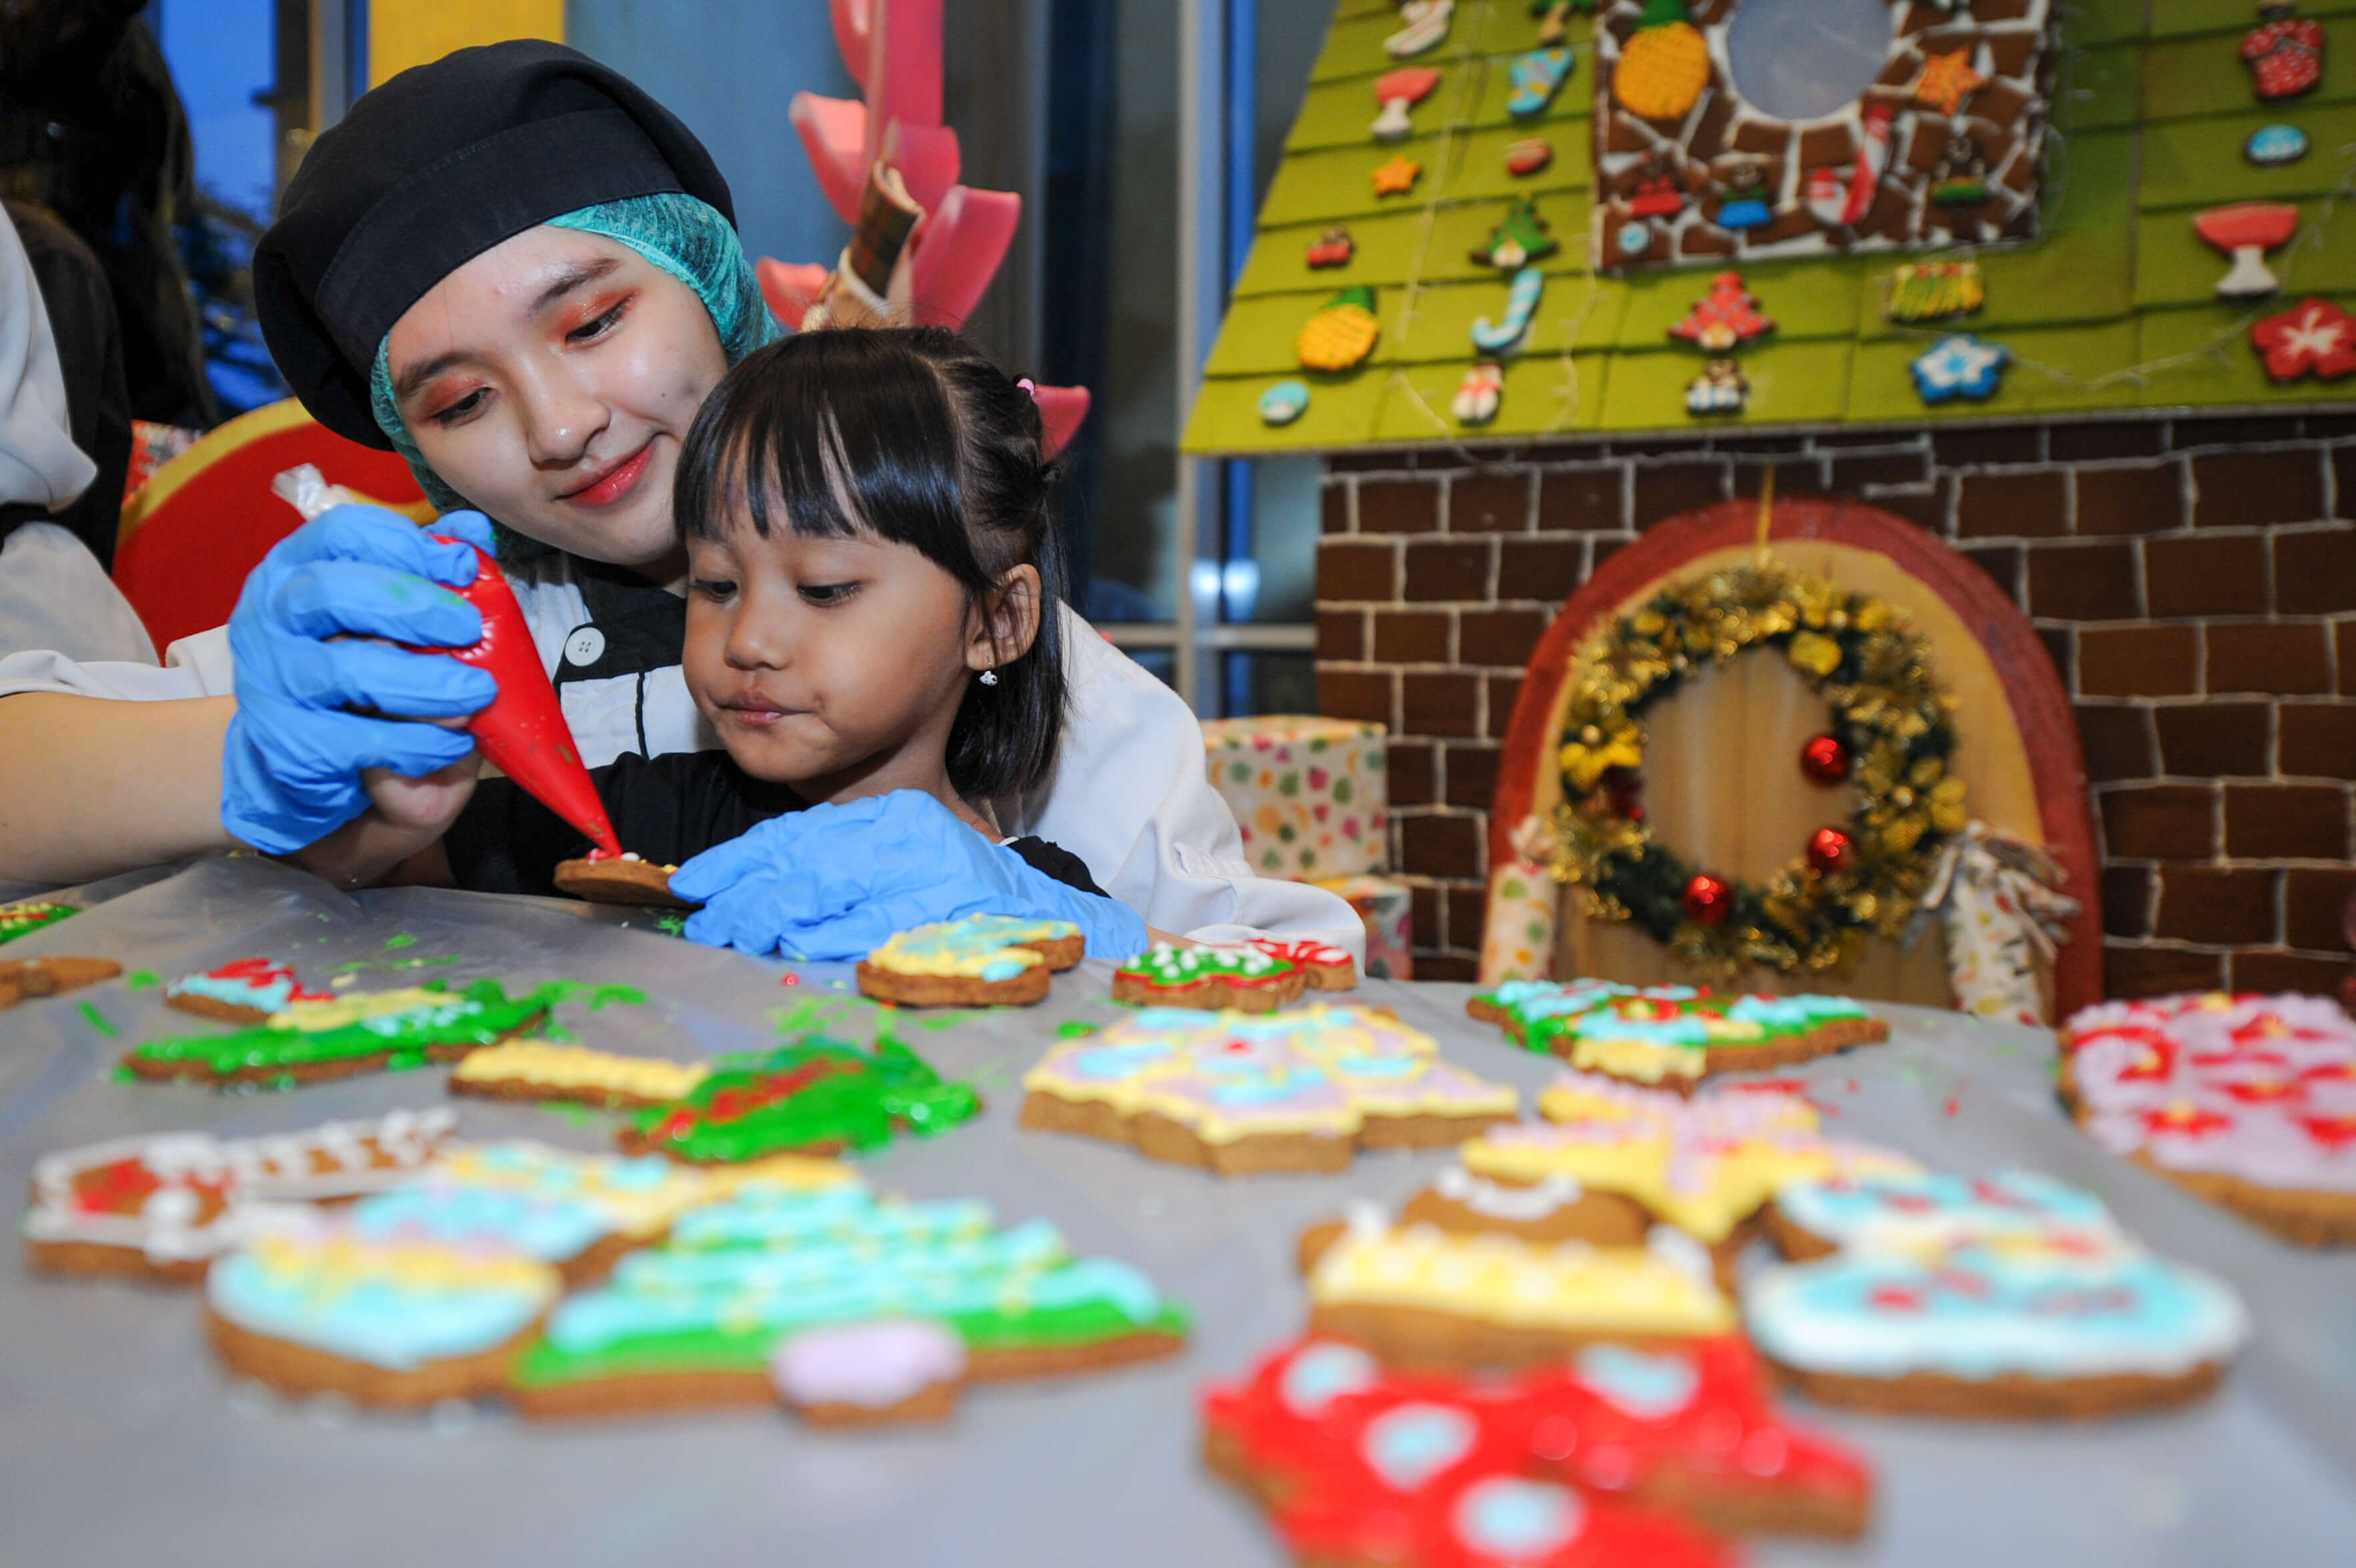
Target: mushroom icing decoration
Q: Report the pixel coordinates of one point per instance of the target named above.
(1399, 92)
(2247, 232)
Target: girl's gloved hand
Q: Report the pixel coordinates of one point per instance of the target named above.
(291, 766)
(835, 881)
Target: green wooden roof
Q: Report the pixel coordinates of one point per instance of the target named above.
(2152, 108)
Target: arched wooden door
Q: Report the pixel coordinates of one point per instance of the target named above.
(2018, 754)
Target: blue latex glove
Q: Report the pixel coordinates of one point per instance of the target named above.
(291, 766)
(835, 881)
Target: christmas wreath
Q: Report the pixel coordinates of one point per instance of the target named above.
(1891, 734)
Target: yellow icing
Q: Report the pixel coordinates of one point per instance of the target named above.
(1574, 1288)
(546, 1063)
(968, 948)
(313, 1018)
(1638, 1059)
(337, 1261)
(633, 1204)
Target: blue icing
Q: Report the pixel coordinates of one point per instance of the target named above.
(1004, 969)
(2010, 1201)
(1323, 1373)
(1377, 1066)
(1111, 1061)
(550, 1228)
(1681, 1031)
(369, 1320)
(1412, 1443)
(1649, 1387)
(1175, 1020)
(1504, 1517)
(1259, 1087)
(768, 1216)
(1551, 998)
(1771, 1012)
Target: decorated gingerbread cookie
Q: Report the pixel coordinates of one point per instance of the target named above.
(982, 961)
(1241, 1093)
(246, 991)
(1673, 1036)
(1243, 979)
(162, 1208)
(1417, 1295)
(2011, 1296)
(722, 1313)
(820, 1096)
(2248, 1101)
(309, 1041)
(625, 878)
(23, 918)
(1347, 1456)
(540, 1070)
(1327, 967)
(26, 980)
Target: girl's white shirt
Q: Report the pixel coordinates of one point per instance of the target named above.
(1131, 794)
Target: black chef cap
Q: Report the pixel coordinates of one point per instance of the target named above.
(429, 171)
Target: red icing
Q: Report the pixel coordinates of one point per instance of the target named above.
(260, 973)
(523, 732)
(1331, 1501)
(1307, 952)
(603, 854)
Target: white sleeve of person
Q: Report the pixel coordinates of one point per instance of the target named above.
(1132, 798)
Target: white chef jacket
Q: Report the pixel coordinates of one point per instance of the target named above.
(1131, 794)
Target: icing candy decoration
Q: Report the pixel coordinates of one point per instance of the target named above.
(873, 1366)
(1960, 366)
(1225, 1077)
(543, 1069)
(1328, 968)
(392, 1302)
(1479, 394)
(2012, 1277)
(1427, 26)
(1504, 335)
(406, 1027)
(1536, 76)
(741, 1277)
(1284, 403)
(1528, 156)
(978, 947)
(23, 918)
(1163, 968)
(2284, 52)
(2258, 1089)
(2271, 146)
(1704, 1165)
(167, 1205)
(1359, 1464)
(819, 1096)
(263, 985)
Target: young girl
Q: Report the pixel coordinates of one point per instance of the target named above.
(872, 602)
(518, 270)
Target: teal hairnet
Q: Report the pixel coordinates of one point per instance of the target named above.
(686, 238)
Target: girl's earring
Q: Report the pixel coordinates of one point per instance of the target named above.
(990, 678)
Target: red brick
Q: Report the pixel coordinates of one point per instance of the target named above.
(1462, 967)
(1492, 503)
(1426, 903)
(2283, 658)
(1467, 914)
(1851, 474)
(2117, 742)
(1504, 637)
(1357, 694)
(2250, 489)
(1546, 570)
(2062, 651)
(2343, 480)
(2317, 740)
(2012, 506)
(1933, 509)
(1455, 570)
(1473, 776)
(1440, 846)
(2139, 661)
(2287, 822)
(2315, 570)
(1432, 703)
(1398, 505)
(1411, 636)
(2272, 972)
(2225, 907)
(2159, 822)
(1347, 569)
(1503, 691)
(2158, 971)
(2344, 633)
(2259, 430)
(1971, 448)
(2206, 574)
(1334, 507)
(1793, 476)
(2139, 500)
(2315, 906)
(1341, 634)
(2098, 439)
(1603, 550)
(2083, 582)
(2213, 739)
(1666, 490)
(2127, 901)
(1408, 766)
(1583, 500)
(2002, 563)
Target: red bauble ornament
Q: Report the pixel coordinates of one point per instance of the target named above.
(1830, 849)
(1824, 760)
(1707, 900)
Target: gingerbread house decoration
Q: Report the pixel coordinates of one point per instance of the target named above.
(1945, 145)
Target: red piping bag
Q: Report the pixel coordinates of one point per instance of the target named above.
(523, 732)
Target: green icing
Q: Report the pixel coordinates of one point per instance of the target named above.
(23, 920)
(403, 940)
(479, 1014)
(98, 1021)
(801, 1096)
(141, 980)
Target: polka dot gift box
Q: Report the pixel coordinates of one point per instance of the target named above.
(1308, 793)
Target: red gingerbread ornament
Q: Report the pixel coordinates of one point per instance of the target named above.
(1707, 900)
(1830, 849)
(1824, 760)
(2284, 52)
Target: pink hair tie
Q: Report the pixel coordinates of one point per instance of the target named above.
(1028, 390)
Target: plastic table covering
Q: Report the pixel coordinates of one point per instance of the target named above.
(121, 1440)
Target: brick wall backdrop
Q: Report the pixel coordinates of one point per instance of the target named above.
(2195, 579)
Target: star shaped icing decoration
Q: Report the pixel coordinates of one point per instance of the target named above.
(1397, 176)
(2314, 337)
(1961, 366)
(1946, 81)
